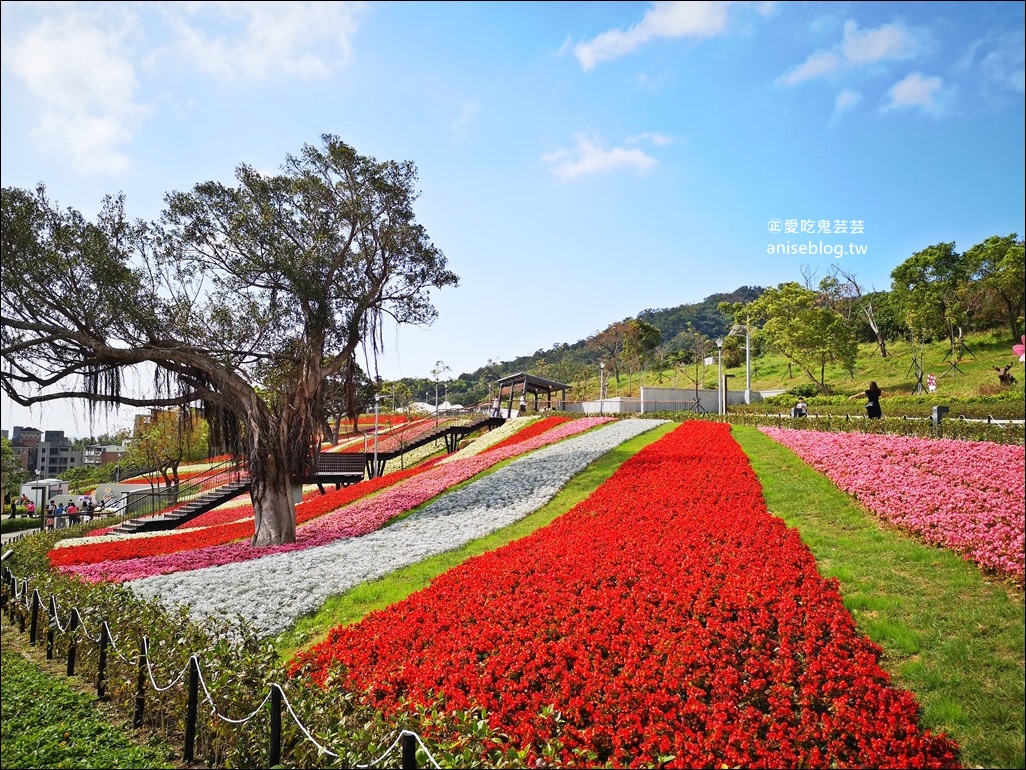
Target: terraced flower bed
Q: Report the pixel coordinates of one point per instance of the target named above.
(668, 618)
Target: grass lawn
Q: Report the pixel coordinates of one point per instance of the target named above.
(948, 634)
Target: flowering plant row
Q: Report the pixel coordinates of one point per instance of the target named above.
(309, 576)
(392, 438)
(196, 550)
(548, 423)
(222, 525)
(667, 619)
(492, 437)
(968, 496)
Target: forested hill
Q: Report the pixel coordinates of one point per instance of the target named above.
(565, 361)
(703, 317)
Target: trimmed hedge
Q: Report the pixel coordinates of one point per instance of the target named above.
(19, 524)
(998, 433)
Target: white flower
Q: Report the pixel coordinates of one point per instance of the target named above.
(274, 591)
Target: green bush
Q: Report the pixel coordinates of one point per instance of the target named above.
(19, 525)
(998, 433)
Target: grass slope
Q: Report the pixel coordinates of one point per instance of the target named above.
(948, 635)
(975, 375)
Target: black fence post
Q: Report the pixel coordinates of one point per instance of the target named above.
(140, 685)
(409, 745)
(190, 710)
(274, 755)
(72, 644)
(25, 604)
(101, 674)
(49, 630)
(13, 602)
(34, 627)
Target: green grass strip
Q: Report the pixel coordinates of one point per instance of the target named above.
(359, 601)
(45, 723)
(948, 635)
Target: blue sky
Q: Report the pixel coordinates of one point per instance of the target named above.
(579, 162)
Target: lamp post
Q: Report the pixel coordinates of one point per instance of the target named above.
(602, 385)
(719, 375)
(736, 331)
(374, 468)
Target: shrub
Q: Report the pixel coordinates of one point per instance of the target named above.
(19, 525)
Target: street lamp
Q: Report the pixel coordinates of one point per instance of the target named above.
(602, 385)
(719, 375)
(736, 331)
(725, 378)
(374, 468)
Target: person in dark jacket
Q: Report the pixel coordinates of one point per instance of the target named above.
(872, 394)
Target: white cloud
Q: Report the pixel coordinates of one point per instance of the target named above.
(85, 86)
(461, 125)
(858, 49)
(664, 20)
(589, 157)
(81, 62)
(889, 42)
(818, 65)
(915, 91)
(996, 61)
(655, 137)
(259, 39)
(846, 100)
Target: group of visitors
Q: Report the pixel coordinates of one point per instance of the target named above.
(21, 504)
(61, 515)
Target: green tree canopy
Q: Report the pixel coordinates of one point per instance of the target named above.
(799, 323)
(1000, 267)
(244, 299)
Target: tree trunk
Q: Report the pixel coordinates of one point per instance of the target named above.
(273, 512)
(1013, 318)
(882, 344)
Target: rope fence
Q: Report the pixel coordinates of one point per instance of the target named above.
(23, 607)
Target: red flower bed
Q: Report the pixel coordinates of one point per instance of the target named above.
(314, 504)
(535, 429)
(667, 618)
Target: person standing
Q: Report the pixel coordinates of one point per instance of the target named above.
(872, 394)
(495, 406)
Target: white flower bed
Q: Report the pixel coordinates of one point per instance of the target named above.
(274, 591)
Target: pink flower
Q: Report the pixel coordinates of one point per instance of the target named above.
(1020, 349)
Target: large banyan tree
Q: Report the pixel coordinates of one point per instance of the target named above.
(244, 299)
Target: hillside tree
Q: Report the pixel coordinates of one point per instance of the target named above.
(166, 439)
(1000, 267)
(799, 323)
(243, 299)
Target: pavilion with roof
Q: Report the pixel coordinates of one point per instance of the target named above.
(539, 387)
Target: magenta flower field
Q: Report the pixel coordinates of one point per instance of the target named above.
(968, 496)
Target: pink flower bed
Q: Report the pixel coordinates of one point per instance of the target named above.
(968, 496)
(359, 518)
